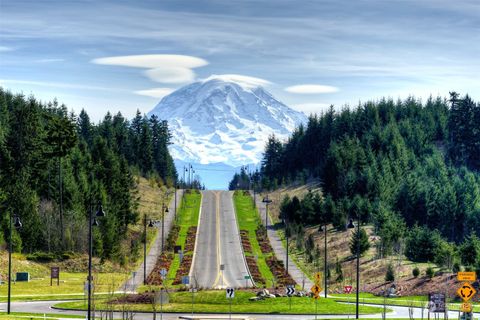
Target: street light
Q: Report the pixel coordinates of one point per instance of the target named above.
(351, 226)
(267, 202)
(164, 210)
(287, 236)
(325, 264)
(17, 224)
(92, 221)
(145, 247)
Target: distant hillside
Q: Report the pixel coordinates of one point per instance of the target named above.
(408, 168)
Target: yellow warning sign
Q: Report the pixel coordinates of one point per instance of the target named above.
(466, 291)
(467, 276)
(466, 307)
(316, 289)
(318, 278)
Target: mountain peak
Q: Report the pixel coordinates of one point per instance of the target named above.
(224, 119)
(245, 82)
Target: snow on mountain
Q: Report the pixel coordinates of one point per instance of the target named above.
(224, 119)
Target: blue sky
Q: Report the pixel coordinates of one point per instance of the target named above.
(309, 54)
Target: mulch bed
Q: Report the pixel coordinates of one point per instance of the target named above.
(254, 271)
(263, 241)
(247, 246)
(165, 259)
(145, 297)
(183, 270)
(278, 270)
(190, 241)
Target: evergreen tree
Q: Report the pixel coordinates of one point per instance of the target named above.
(359, 242)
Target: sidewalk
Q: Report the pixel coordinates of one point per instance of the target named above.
(280, 251)
(136, 278)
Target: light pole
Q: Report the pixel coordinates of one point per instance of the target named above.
(17, 225)
(287, 235)
(351, 226)
(164, 210)
(267, 202)
(91, 222)
(175, 212)
(184, 181)
(145, 247)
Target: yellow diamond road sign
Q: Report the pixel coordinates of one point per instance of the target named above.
(467, 276)
(318, 277)
(316, 289)
(466, 291)
(466, 307)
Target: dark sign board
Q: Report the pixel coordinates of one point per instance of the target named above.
(55, 274)
(436, 302)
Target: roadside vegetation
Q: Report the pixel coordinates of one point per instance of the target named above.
(406, 169)
(249, 222)
(181, 235)
(215, 302)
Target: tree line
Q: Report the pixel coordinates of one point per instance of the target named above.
(55, 167)
(409, 168)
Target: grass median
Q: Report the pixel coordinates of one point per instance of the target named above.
(249, 220)
(215, 302)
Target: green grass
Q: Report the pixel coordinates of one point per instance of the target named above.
(215, 302)
(71, 287)
(248, 219)
(28, 315)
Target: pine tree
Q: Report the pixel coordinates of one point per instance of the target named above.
(359, 242)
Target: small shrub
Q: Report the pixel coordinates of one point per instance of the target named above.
(456, 267)
(429, 272)
(416, 272)
(41, 257)
(390, 274)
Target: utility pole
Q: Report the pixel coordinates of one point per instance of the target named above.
(325, 262)
(267, 202)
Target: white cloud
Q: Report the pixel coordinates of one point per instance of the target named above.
(311, 89)
(5, 49)
(171, 75)
(151, 61)
(163, 68)
(309, 108)
(155, 92)
(52, 60)
(246, 81)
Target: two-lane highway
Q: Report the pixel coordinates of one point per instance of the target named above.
(218, 261)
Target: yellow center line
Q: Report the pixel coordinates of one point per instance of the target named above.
(219, 251)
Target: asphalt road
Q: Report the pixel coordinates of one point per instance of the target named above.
(218, 261)
(45, 307)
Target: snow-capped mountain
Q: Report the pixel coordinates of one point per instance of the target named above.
(224, 119)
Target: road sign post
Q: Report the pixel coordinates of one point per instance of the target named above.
(467, 276)
(55, 274)
(290, 291)
(466, 292)
(230, 293)
(246, 280)
(193, 290)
